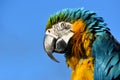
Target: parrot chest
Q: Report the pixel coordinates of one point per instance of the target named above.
(84, 70)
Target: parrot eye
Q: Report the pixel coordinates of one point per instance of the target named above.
(67, 26)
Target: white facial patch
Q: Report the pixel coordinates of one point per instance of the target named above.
(59, 29)
(62, 33)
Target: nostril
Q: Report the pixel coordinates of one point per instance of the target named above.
(49, 31)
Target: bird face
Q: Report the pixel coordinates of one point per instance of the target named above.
(57, 38)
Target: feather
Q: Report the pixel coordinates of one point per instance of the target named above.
(92, 41)
(106, 51)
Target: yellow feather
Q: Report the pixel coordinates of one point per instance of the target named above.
(78, 25)
(79, 59)
(83, 70)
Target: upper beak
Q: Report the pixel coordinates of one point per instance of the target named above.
(49, 45)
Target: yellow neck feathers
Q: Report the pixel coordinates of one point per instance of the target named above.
(84, 70)
(81, 43)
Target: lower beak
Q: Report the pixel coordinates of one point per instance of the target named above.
(49, 46)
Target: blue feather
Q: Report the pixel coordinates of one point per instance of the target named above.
(106, 51)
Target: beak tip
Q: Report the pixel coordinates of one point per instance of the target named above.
(52, 57)
(49, 43)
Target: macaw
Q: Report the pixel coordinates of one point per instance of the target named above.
(90, 49)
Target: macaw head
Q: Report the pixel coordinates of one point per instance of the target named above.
(57, 38)
(69, 30)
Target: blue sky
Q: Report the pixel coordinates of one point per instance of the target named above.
(22, 26)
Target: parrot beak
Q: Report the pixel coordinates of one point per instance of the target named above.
(54, 44)
(49, 45)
